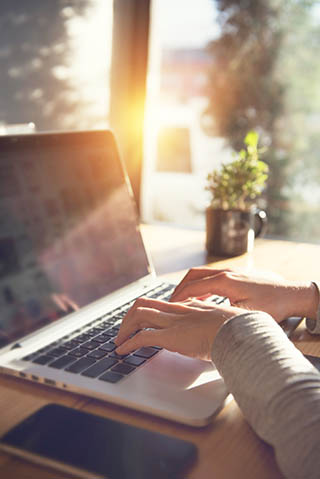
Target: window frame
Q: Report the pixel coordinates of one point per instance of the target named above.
(129, 63)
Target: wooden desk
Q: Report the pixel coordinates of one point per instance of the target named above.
(227, 448)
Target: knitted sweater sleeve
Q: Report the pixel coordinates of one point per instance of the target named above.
(277, 389)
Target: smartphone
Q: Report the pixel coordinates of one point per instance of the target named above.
(90, 446)
(315, 360)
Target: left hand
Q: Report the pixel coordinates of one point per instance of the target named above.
(188, 327)
(279, 297)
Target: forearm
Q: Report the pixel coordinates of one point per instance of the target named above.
(275, 387)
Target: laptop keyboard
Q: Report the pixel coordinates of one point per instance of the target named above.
(90, 351)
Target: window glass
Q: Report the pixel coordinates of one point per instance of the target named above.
(178, 153)
(219, 68)
(54, 64)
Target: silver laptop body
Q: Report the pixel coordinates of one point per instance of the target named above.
(71, 254)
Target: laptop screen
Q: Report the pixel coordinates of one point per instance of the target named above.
(68, 227)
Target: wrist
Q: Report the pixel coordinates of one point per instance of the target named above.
(223, 314)
(307, 301)
(228, 312)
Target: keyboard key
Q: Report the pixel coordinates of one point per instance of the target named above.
(112, 332)
(99, 328)
(82, 337)
(102, 338)
(122, 368)
(165, 297)
(97, 354)
(153, 296)
(57, 352)
(145, 352)
(99, 368)
(78, 352)
(107, 318)
(108, 347)
(70, 344)
(92, 333)
(220, 300)
(44, 359)
(111, 377)
(90, 345)
(62, 362)
(134, 360)
(106, 324)
(45, 349)
(80, 365)
(118, 356)
(30, 357)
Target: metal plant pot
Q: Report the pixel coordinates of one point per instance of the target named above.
(232, 232)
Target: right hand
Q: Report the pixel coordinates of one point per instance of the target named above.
(188, 328)
(280, 298)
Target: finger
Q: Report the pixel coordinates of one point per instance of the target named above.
(193, 275)
(204, 297)
(197, 304)
(151, 304)
(161, 338)
(217, 284)
(144, 318)
(163, 306)
(58, 301)
(71, 305)
(243, 304)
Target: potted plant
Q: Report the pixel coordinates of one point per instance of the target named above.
(232, 214)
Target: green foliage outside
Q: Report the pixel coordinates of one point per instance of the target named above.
(237, 184)
(265, 76)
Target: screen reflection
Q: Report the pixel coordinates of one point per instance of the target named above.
(68, 234)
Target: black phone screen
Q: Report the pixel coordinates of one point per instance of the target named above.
(99, 445)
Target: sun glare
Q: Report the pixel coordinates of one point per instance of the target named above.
(204, 378)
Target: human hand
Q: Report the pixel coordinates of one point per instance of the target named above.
(187, 328)
(280, 298)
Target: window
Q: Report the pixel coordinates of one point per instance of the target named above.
(218, 69)
(178, 153)
(54, 62)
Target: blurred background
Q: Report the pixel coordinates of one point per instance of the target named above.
(180, 82)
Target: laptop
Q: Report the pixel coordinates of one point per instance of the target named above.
(72, 262)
